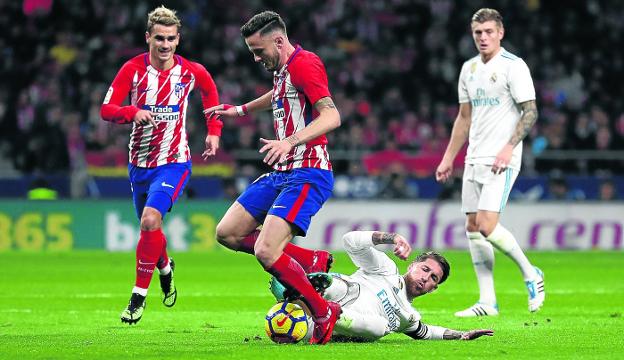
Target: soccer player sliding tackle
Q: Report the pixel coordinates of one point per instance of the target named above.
(376, 300)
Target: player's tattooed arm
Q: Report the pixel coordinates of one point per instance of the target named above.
(383, 238)
(450, 334)
(528, 119)
(325, 102)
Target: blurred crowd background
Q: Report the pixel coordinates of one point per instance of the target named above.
(392, 65)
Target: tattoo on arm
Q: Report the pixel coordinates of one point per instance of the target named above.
(450, 334)
(529, 116)
(293, 140)
(383, 238)
(325, 102)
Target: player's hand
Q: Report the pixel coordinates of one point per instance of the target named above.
(402, 248)
(144, 117)
(475, 334)
(502, 159)
(444, 171)
(223, 110)
(212, 145)
(276, 150)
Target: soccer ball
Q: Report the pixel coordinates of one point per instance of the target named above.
(286, 323)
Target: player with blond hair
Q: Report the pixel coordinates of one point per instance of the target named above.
(158, 84)
(497, 109)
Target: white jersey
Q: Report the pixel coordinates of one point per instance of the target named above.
(494, 90)
(382, 293)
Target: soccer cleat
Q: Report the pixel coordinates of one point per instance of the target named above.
(133, 313)
(322, 262)
(167, 285)
(536, 291)
(478, 309)
(320, 281)
(323, 328)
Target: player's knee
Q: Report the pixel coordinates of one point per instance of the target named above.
(150, 221)
(225, 237)
(265, 255)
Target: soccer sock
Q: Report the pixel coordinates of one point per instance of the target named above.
(482, 254)
(506, 242)
(305, 257)
(163, 265)
(291, 274)
(147, 253)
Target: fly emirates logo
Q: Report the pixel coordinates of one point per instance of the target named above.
(483, 100)
(391, 311)
(164, 112)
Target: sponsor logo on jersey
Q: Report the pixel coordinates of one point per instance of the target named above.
(483, 100)
(390, 310)
(164, 112)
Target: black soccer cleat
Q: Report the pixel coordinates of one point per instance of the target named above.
(167, 285)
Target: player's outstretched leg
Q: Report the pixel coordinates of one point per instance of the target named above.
(167, 285)
(134, 311)
(478, 309)
(536, 290)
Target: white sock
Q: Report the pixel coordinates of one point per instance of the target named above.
(139, 291)
(482, 254)
(166, 270)
(506, 242)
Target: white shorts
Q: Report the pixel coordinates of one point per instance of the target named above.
(484, 190)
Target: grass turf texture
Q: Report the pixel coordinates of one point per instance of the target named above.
(67, 305)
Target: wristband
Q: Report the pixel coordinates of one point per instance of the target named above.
(241, 110)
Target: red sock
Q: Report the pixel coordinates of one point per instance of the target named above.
(291, 274)
(148, 250)
(305, 257)
(163, 259)
(247, 245)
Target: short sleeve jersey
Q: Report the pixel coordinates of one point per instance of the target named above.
(494, 90)
(297, 86)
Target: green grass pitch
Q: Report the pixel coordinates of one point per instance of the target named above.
(67, 305)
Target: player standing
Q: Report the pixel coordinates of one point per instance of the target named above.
(497, 110)
(158, 84)
(285, 200)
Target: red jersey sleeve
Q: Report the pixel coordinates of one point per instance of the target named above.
(120, 89)
(209, 96)
(309, 76)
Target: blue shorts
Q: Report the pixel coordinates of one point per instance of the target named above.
(294, 195)
(158, 187)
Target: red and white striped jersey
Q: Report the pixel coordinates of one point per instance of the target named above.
(164, 93)
(300, 83)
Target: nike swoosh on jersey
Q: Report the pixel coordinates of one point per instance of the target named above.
(166, 185)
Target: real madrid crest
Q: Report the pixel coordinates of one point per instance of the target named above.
(493, 78)
(473, 67)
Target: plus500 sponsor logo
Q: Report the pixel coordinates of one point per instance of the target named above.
(164, 112)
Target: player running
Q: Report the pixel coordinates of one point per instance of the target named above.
(497, 110)
(158, 84)
(376, 300)
(285, 200)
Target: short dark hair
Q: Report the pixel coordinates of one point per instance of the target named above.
(446, 268)
(486, 14)
(265, 22)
